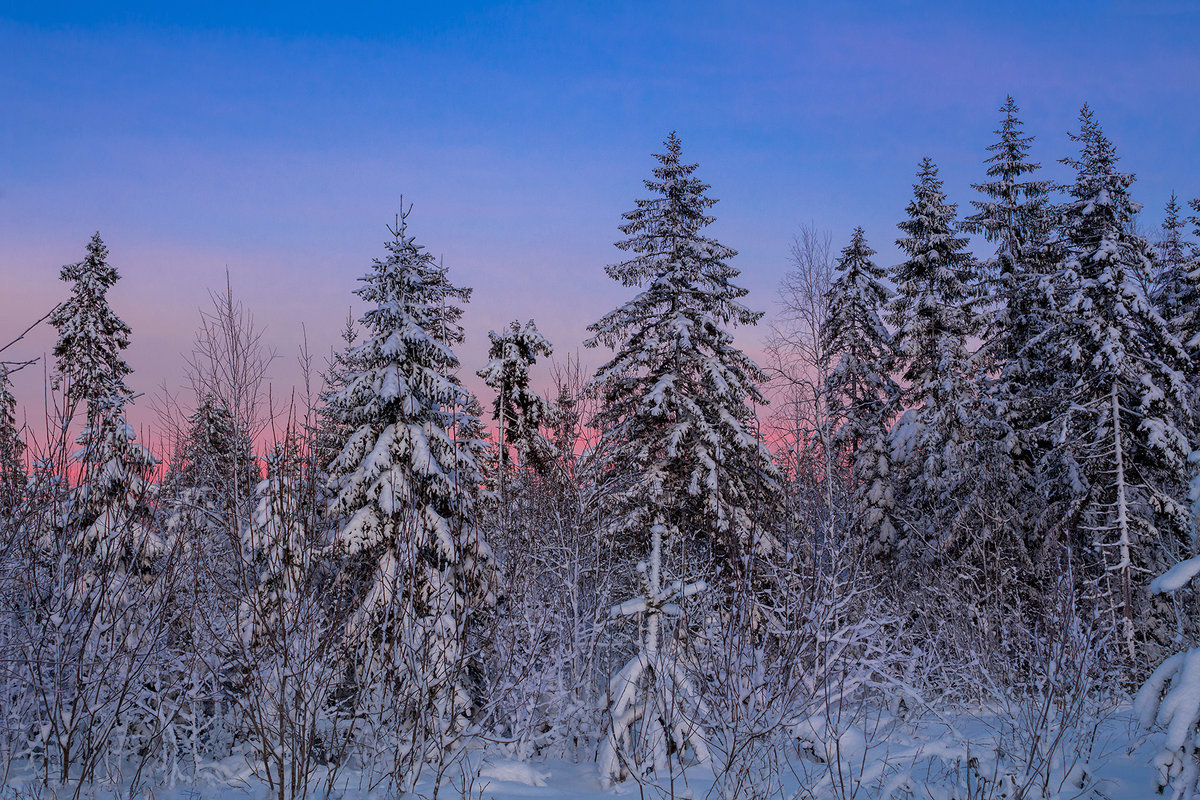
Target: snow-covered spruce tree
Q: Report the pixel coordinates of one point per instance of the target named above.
(519, 411)
(416, 566)
(114, 475)
(1015, 216)
(12, 449)
(1182, 302)
(276, 545)
(993, 519)
(1122, 393)
(677, 416)
(568, 420)
(109, 513)
(472, 437)
(933, 315)
(862, 397)
(1015, 362)
(206, 497)
(1179, 303)
(91, 337)
(95, 593)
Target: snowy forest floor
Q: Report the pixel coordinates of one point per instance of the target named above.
(966, 755)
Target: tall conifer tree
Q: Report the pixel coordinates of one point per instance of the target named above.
(993, 522)
(1183, 304)
(91, 338)
(108, 517)
(1014, 214)
(933, 315)
(1174, 262)
(405, 489)
(217, 464)
(862, 395)
(678, 396)
(1122, 395)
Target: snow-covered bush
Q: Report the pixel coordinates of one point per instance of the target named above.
(789, 679)
(283, 662)
(1170, 698)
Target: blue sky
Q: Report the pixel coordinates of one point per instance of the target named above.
(276, 140)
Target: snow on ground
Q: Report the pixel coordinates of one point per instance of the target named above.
(1119, 768)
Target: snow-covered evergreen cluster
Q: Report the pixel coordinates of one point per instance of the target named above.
(992, 504)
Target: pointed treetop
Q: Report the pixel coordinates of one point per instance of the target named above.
(856, 290)
(1013, 145)
(1180, 280)
(1171, 282)
(1171, 246)
(399, 405)
(856, 256)
(855, 334)
(666, 225)
(860, 391)
(933, 310)
(1097, 154)
(936, 255)
(1010, 203)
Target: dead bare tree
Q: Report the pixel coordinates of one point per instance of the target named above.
(229, 361)
(797, 361)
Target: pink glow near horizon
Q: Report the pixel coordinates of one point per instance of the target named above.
(163, 309)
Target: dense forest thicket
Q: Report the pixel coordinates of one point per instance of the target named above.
(976, 484)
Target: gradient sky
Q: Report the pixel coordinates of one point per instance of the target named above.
(277, 140)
